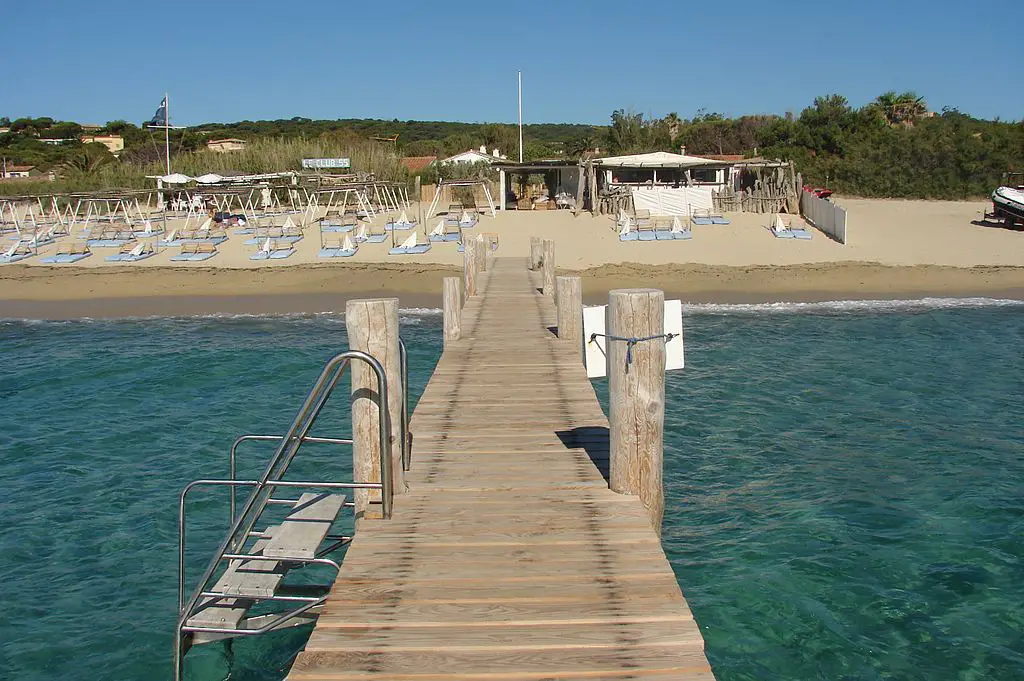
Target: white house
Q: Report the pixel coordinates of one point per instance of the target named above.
(475, 156)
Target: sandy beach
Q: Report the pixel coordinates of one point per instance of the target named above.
(896, 249)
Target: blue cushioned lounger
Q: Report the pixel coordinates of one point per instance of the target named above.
(413, 250)
(701, 220)
(279, 254)
(128, 257)
(337, 252)
(65, 259)
(790, 233)
(106, 243)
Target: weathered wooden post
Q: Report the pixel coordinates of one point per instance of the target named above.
(469, 266)
(488, 252)
(570, 308)
(536, 252)
(636, 396)
(481, 253)
(452, 309)
(372, 326)
(549, 267)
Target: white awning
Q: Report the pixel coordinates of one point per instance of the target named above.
(209, 178)
(176, 178)
(656, 159)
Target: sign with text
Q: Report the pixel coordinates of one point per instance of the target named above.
(318, 163)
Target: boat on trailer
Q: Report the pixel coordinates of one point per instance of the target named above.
(1008, 200)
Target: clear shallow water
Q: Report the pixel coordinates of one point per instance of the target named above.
(844, 484)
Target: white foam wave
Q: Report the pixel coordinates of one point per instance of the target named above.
(412, 315)
(839, 306)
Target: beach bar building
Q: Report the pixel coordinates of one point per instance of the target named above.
(557, 189)
(665, 183)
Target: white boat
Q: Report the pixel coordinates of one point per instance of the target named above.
(1008, 204)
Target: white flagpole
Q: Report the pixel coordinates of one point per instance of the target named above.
(167, 131)
(520, 116)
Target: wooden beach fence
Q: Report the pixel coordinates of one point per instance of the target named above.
(827, 216)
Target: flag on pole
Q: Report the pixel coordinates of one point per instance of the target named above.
(160, 117)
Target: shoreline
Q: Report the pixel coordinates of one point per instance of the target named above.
(112, 292)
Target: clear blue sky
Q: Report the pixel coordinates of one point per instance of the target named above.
(226, 61)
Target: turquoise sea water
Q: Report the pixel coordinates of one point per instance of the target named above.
(844, 484)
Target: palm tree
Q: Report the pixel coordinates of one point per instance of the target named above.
(903, 109)
(90, 157)
(674, 125)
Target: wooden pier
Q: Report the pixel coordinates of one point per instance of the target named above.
(508, 557)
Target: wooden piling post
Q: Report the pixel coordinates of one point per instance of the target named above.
(636, 397)
(549, 267)
(452, 309)
(570, 308)
(469, 266)
(481, 253)
(372, 326)
(536, 252)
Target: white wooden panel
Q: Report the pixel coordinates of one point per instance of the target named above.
(595, 357)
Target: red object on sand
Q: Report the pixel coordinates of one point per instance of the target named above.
(820, 192)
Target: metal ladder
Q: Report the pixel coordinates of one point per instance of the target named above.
(242, 574)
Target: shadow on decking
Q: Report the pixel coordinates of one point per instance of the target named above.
(594, 440)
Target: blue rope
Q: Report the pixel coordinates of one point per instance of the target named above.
(631, 341)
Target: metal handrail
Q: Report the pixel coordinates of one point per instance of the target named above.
(265, 438)
(403, 356)
(242, 525)
(182, 518)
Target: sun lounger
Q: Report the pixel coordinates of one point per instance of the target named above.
(132, 253)
(19, 251)
(273, 249)
(111, 236)
(68, 253)
(780, 230)
(468, 220)
(410, 247)
(642, 217)
(365, 236)
(701, 218)
(440, 233)
(338, 248)
(345, 223)
(195, 252)
(627, 229)
(402, 222)
(148, 230)
(671, 230)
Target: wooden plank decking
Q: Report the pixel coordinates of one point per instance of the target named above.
(509, 558)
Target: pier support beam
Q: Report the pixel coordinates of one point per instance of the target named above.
(636, 397)
(570, 308)
(452, 309)
(469, 266)
(372, 326)
(536, 252)
(549, 267)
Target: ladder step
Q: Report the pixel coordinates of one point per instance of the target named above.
(298, 536)
(302, 532)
